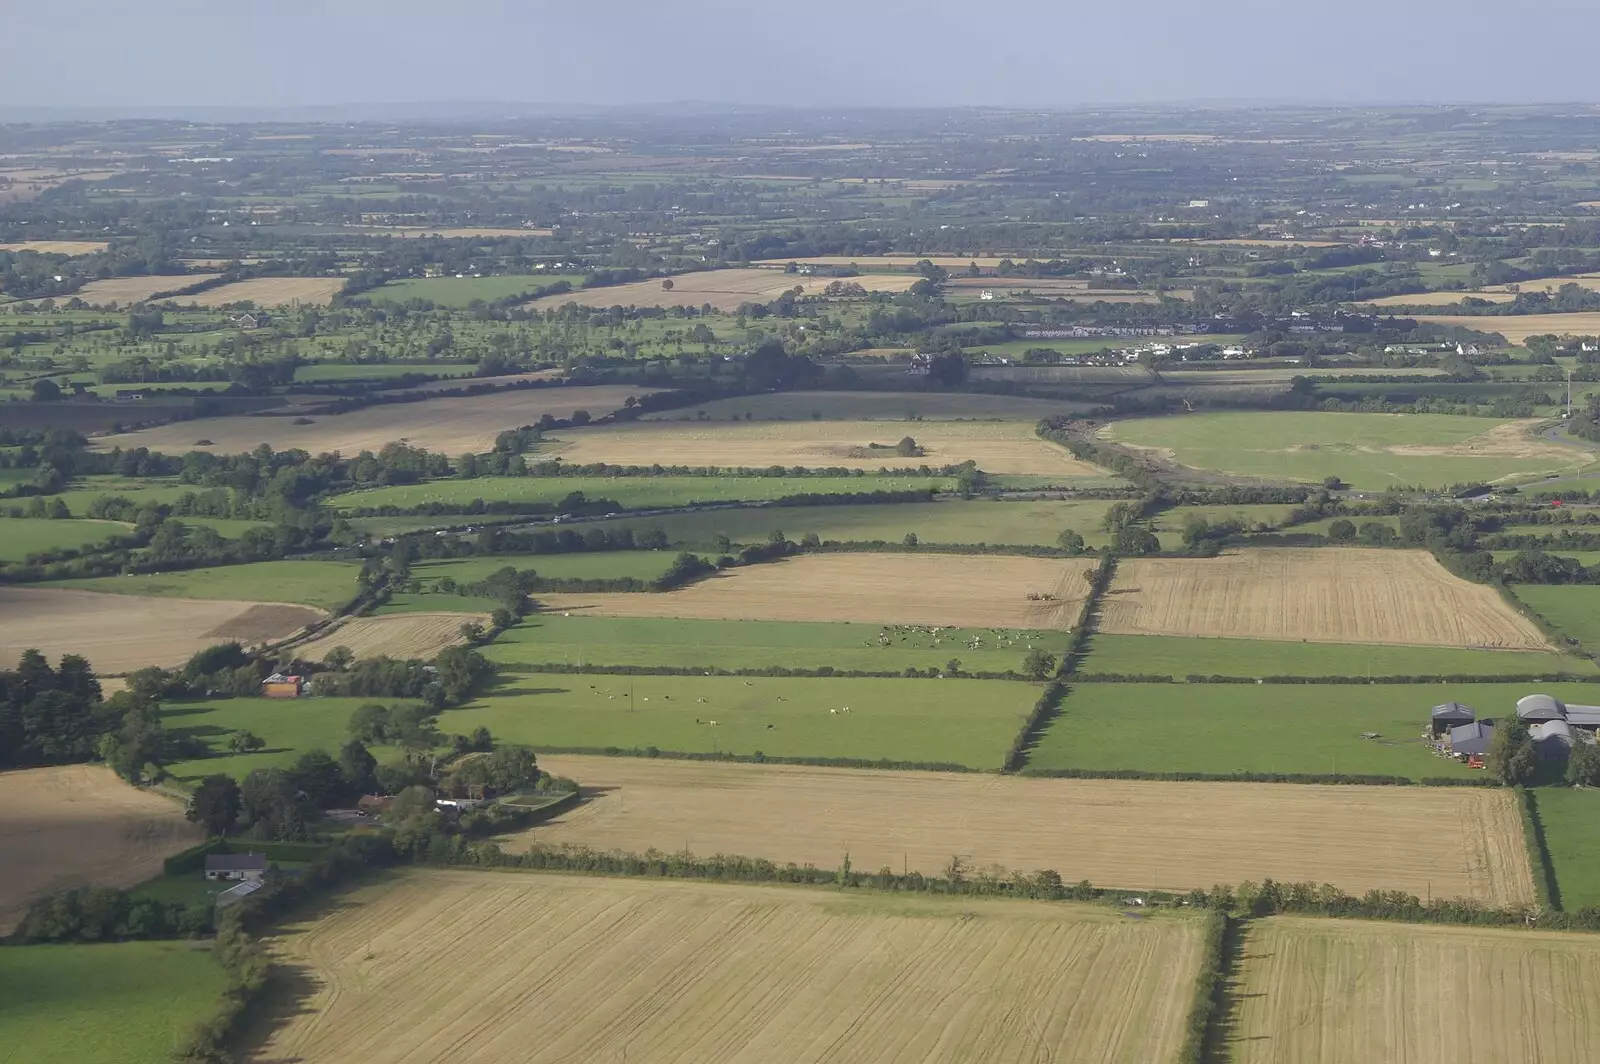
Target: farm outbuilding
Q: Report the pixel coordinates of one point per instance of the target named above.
(280, 686)
(1552, 740)
(1472, 740)
(1538, 708)
(1451, 715)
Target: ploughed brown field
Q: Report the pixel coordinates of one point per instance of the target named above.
(1323, 595)
(80, 825)
(959, 590)
(121, 633)
(1137, 834)
(482, 968)
(1349, 992)
(451, 424)
(996, 446)
(397, 635)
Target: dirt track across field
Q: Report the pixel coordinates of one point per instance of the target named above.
(1324, 595)
(121, 633)
(449, 424)
(78, 825)
(1138, 834)
(966, 591)
(480, 968)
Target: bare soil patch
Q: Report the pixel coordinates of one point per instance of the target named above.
(122, 291)
(1138, 834)
(723, 289)
(1510, 439)
(997, 447)
(474, 968)
(450, 424)
(948, 590)
(270, 292)
(1350, 991)
(1324, 595)
(400, 635)
(79, 825)
(120, 633)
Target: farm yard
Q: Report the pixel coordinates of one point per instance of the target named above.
(105, 1003)
(996, 447)
(724, 290)
(1135, 834)
(550, 638)
(121, 633)
(1329, 595)
(1355, 729)
(984, 591)
(451, 424)
(676, 972)
(77, 825)
(399, 636)
(963, 722)
(269, 292)
(1369, 451)
(1348, 992)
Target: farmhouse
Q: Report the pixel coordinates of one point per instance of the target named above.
(243, 866)
(280, 686)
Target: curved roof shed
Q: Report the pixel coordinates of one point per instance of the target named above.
(1536, 708)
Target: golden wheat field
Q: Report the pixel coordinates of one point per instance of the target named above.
(899, 408)
(397, 635)
(1351, 992)
(1137, 834)
(898, 262)
(121, 291)
(1517, 328)
(1441, 299)
(80, 825)
(120, 633)
(997, 447)
(723, 289)
(449, 424)
(966, 591)
(474, 968)
(270, 292)
(1323, 595)
(58, 247)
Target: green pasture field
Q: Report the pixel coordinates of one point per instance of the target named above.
(361, 371)
(599, 565)
(1309, 446)
(290, 727)
(1180, 656)
(382, 527)
(889, 407)
(326, 585)
(554, 639)
(1011, 523)
(434, 602)
(634, 493)
(967, 722)
(1571, 819)
(460, 291)
(227, 527)
(1574, 609)
(10, 477)
(1309, 728)
(85, 490)
(1168, 524)
(22, 536)
(103, 1003)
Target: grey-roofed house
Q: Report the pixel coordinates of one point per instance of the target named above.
(245, 866)
(1537, 708)
(1450, 715)
(1472, 739)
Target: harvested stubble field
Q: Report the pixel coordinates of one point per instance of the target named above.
(57, 247)
(1349, 992)
(898, 408)
(1517, 328)
(725, 290)
(1454, 842)
(969, 591)
(270, 292)
(451, 424)
(996, 446)
(1443, 299)
(121, 291)
(454, 233)
(120, 633)
(896, 262)
(1326, 595)
(400, 636)
(79, 824)
(436, 966)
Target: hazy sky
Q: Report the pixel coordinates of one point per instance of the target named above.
(290, 53)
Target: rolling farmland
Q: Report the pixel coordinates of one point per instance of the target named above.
(400, 636)
(1349, 992)
(725, 290)
(1330, 595)
(1454, 842)
(123, 291)
(270, 292)
(436, 966)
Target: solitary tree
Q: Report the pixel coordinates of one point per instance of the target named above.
(245, 742)
(1070, 541)
(1038, 665)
